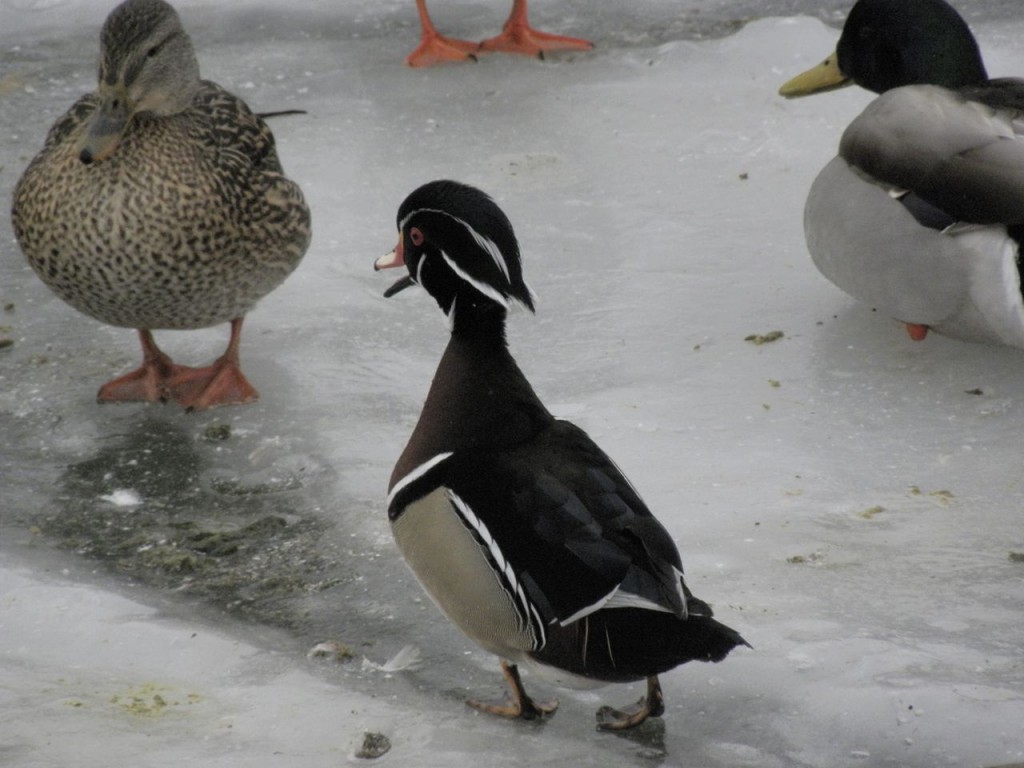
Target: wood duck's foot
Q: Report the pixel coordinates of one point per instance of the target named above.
(437, 49)
(516, 703)
(222, 383)
(651, 705)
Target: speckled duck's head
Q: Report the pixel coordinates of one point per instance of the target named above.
(887, 44)
(459, 246)
(147, 65)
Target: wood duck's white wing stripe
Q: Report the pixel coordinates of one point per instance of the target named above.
(484, 288)
(587, 610)
(416, 474)
(528, 614)
(618, 598)
(623, 599)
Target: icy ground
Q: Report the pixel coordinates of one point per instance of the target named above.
(849, 500)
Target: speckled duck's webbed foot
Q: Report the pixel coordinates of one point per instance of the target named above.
(516, 703)
(221, 383)
(651, 705)
(146, 383)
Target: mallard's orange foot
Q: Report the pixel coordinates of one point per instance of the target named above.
(516, 703)
(524, 39)
(916, 331)
(437, 49)
(222, 383)
(651, 705)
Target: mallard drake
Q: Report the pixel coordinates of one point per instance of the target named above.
(921, 214)
(158, 202)
(517, 36)
(517, 524)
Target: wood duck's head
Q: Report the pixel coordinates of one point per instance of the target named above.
(459, 246)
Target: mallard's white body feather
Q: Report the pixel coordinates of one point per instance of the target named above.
(963, 157)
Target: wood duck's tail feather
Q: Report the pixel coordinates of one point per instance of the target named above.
(626, 644)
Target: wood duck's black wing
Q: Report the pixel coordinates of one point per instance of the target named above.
(569, 526)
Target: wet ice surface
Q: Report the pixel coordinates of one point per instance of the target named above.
(847, 499)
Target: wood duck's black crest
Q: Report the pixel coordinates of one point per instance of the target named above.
(891, 43)
(460, 247)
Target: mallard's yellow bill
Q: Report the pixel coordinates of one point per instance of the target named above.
(824, 77)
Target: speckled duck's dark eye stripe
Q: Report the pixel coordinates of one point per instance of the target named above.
(135, 67)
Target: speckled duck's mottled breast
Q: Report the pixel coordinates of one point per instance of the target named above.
(186, 225)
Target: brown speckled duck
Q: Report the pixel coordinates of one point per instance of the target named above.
(158, 202)
(523, 531)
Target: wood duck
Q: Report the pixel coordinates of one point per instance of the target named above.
(517, 36)
(158, 202)
(922, 213)
(522, 530)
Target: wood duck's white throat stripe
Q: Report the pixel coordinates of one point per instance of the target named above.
(416, 474)
(528, 615)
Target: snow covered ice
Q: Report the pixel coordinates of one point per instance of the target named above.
(847, 499)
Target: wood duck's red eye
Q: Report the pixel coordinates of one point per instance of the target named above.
(416, 236)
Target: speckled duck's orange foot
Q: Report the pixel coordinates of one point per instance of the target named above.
(651, 705)
(146, 383)
(916, 331)
(222, 383)
(438, 49)
(516, 703)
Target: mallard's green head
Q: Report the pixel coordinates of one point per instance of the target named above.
(891, 43)
(147, 64)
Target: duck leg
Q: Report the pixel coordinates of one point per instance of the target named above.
(435, 48)
(518, 36)
(518, 704)
(221, 383)
(651, 705)
(146, 383)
